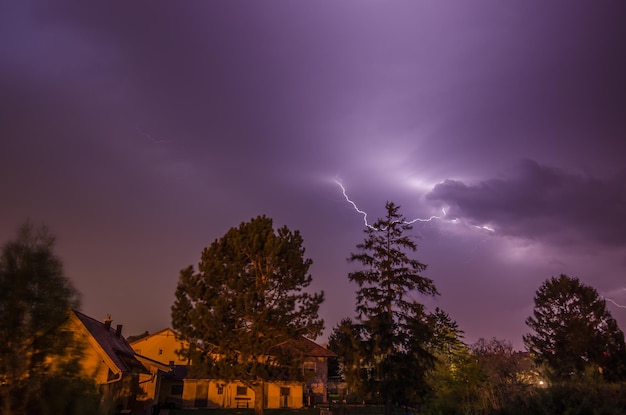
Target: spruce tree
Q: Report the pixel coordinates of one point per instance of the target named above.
(395, 327)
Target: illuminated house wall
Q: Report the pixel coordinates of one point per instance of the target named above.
(210, 393)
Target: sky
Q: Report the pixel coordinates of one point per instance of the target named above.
(140, 132)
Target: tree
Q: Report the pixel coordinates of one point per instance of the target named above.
(573, 332)
(454, 380)
(395, 327)
(507, 373)
(455, 384)
(346, 340)
(34, 299)
(245, 308)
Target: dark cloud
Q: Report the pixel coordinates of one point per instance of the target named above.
(542, 203)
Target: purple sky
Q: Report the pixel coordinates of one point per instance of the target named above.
(140, 132)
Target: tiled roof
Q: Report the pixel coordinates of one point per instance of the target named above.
(116, 347)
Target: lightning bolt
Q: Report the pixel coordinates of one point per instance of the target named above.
(364, 214)
(614, 303)
(345, 195)
(433, 217)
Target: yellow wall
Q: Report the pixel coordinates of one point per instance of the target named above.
(200, 393)
(160, 346)
(94, 365)
(275, 400)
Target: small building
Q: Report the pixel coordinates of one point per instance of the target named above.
(315, 370)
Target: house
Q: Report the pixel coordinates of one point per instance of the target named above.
(107, 358)
(175, 387)
(162, 347)
(315, 369)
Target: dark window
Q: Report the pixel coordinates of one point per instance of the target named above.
(242, 390)
(220, 389)
(284, 391)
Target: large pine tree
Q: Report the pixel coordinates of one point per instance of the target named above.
(394, 327)
(247, 305)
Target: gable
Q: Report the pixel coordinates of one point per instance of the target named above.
(162, 346)
(108, 343)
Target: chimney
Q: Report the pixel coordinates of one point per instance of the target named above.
(107, 322)
(118, 330)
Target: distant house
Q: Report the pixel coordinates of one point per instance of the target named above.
(315, 370)
(107, 358)
(163, 346)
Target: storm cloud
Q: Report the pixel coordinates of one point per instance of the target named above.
(542, 202)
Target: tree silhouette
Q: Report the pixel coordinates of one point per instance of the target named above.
(395, 329)
(35, 296)
(574, 332)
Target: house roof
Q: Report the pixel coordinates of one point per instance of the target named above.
(315, 350)
(303, 345)
(165, 331)
(116, 347)
(148, 363)
(309, 348)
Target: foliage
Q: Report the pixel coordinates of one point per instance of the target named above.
(390, 353)
(455, 384)
(247, 305)
(574, 331)
(580, 397)
(456, 378)
(68, 395)
(508, 375)
(34, 299)
(345, 340)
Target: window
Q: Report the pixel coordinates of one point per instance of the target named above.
(242, 390)
(308, 367)
(220, 389)
(284, 391)
(160, 351)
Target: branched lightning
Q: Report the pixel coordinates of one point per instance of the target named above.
(433, 217)
(364, 214)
